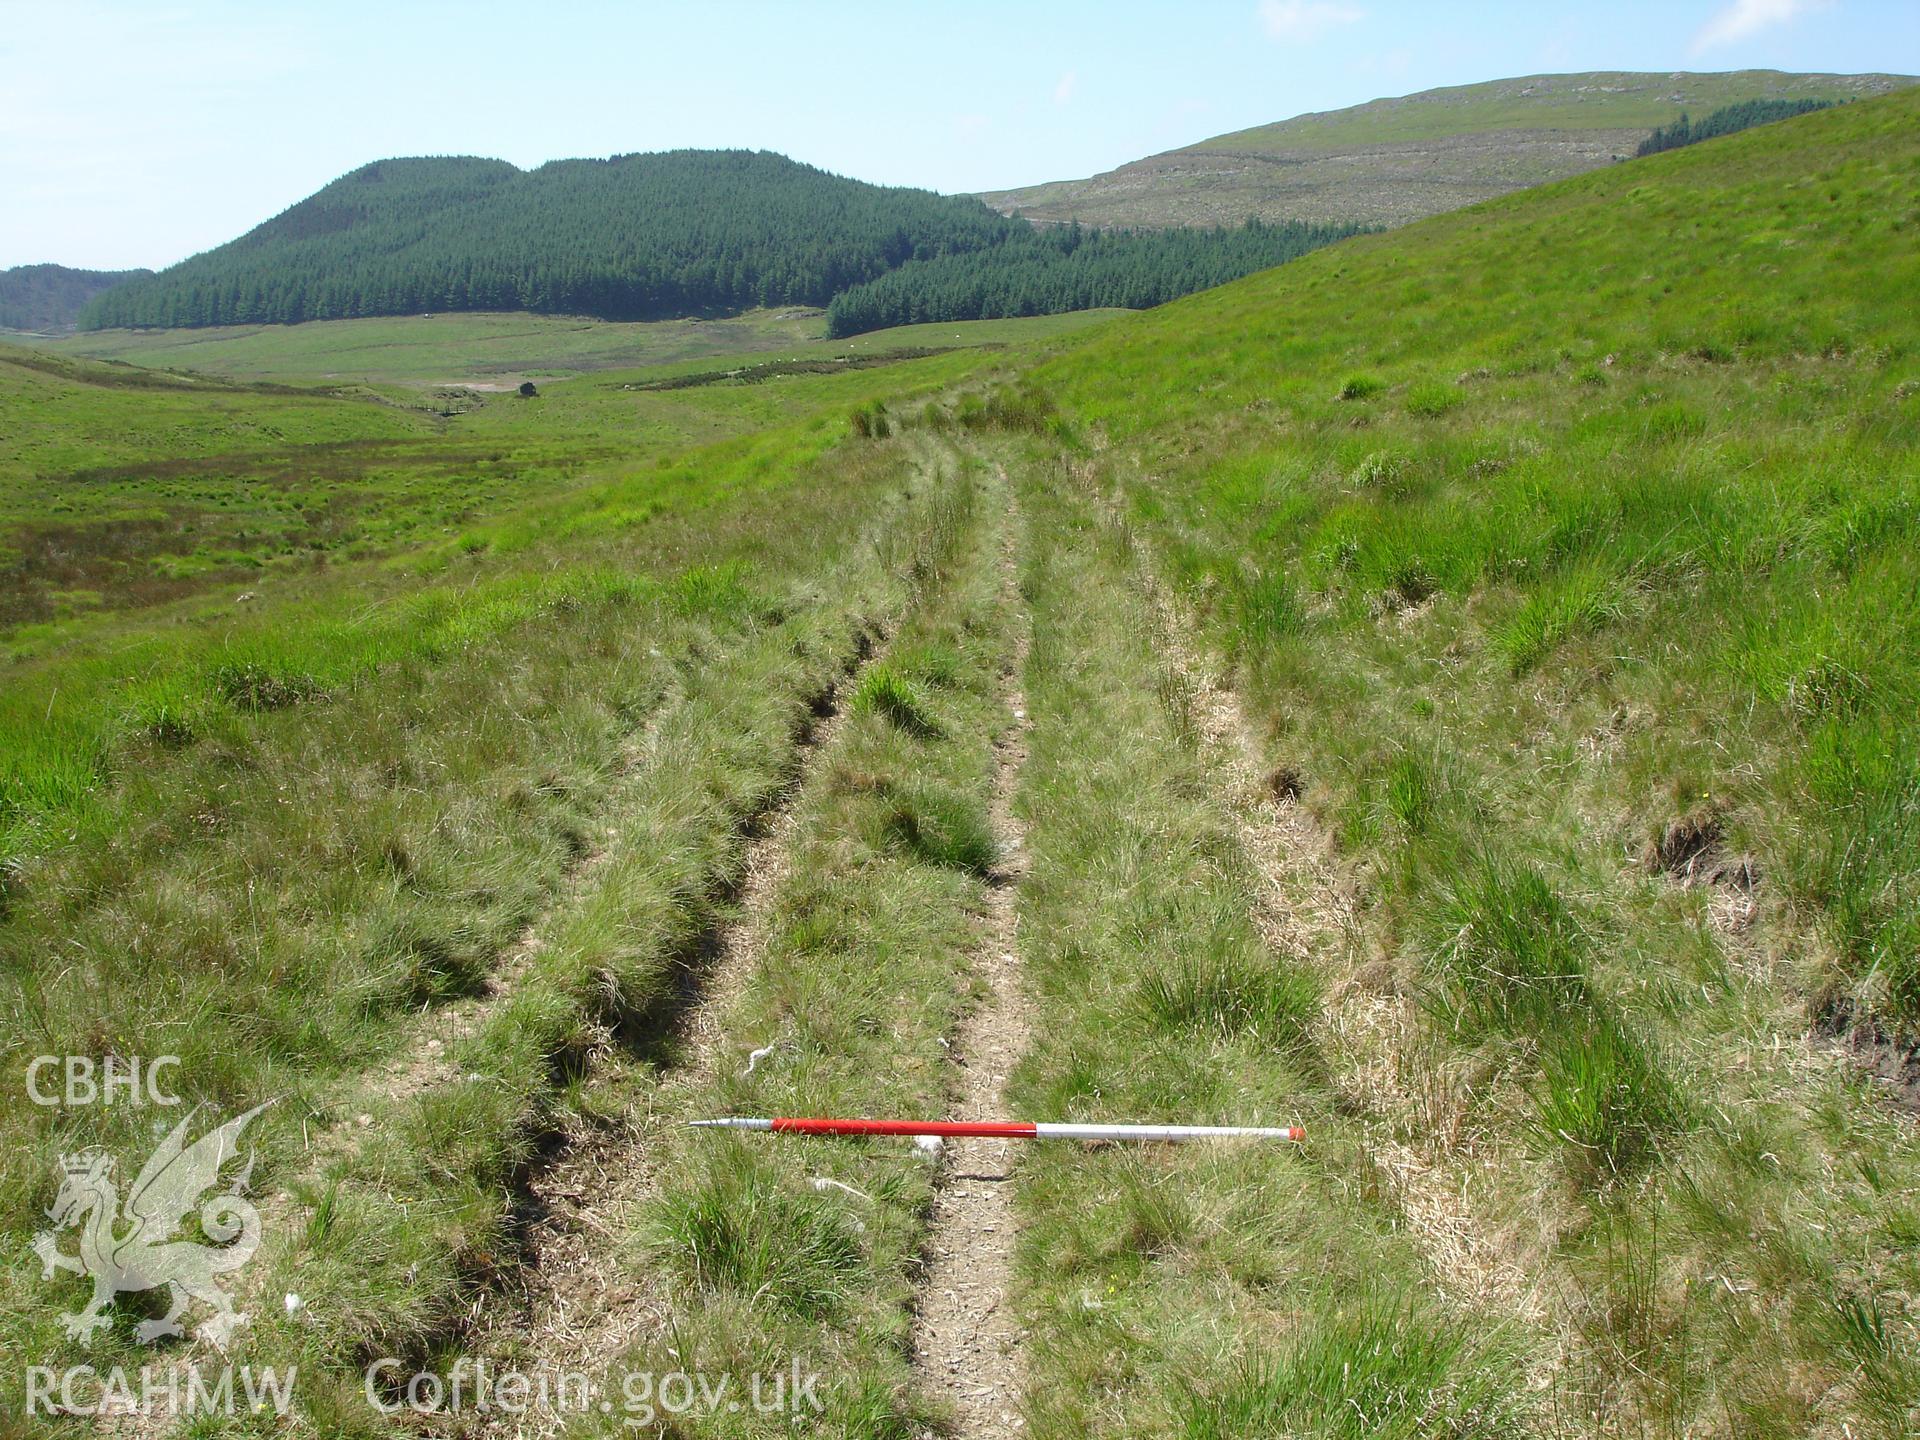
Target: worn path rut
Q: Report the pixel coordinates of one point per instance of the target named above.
(966, 1336)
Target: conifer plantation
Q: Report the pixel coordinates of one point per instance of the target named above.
(1049, 272)
(1727, 120)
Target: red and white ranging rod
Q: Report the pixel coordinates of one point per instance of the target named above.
(1003, 1129)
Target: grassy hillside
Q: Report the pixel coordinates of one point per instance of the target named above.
(49, 298)
(1561, 553)
(1394, 160)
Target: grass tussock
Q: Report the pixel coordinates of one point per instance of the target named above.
(1584, 600)
(740, 1231)
(1376, 1367)
(1515, 956)
(1601, 1094)
(1230, 995)
(886, 692)
(941, 828)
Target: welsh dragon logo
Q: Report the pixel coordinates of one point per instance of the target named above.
(132, 1246)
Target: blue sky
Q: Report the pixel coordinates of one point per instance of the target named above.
(139, 133)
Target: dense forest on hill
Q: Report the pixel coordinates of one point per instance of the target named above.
(1727, 120)
(1046, 272)
(51, 297)
(649, 237)
(637, 237)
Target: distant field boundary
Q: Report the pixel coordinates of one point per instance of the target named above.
(772, 369)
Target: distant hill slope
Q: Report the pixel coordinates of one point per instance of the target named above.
(1394, 160)
(636, 237)
(49, 298)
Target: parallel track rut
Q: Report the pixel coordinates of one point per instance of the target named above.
(1303, 910)
(966, 1336)
(572, 1306)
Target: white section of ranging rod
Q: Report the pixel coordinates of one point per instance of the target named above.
(1042, 1130)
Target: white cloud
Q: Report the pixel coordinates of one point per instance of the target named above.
(1302, 21)
(1744, 19)
(1063, 92)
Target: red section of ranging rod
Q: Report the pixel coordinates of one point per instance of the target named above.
(1004, 1129)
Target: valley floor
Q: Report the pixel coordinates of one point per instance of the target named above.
(974, 823)
(494, 352)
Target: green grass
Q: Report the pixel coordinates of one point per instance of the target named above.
(523, 518)
(883, 691)
(1572, 615)
(442, 350)
(738, 1232)
(771, 1250)
(68, 414)
(279, 830)
(130, 489)
(1582, 600)
(940, 827)
(1189, 1291)
(1607, 530)
(372, 887)
(1564, 527)
(1371, 1369)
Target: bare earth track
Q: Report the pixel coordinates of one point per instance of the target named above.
(1306, 910)
(425, 1061)
(575, 1305)
(576, 1302)
(966, 1336)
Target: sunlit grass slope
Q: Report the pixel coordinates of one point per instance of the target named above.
(1563, 549)
(1599, 100)
(238, 549)
(1642, 441)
